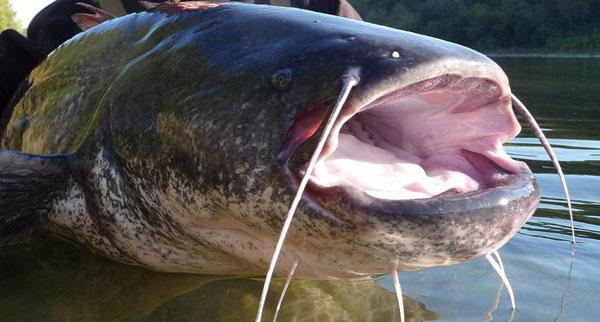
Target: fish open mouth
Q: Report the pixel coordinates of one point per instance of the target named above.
(443, 136)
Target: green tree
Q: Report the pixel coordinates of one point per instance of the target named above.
(8, 18)
(563, 25)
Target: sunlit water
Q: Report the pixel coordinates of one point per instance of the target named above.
(51, 280)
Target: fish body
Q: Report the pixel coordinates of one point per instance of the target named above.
(175, 139)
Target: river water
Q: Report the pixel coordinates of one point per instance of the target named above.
(51, 280)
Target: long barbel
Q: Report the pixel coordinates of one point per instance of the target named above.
(349, 80)
(537, 131)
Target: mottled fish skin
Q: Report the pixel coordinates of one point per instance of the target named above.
(176, 127)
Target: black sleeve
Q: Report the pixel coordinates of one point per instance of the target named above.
(53, 25)
(18, 56)
(132, 6)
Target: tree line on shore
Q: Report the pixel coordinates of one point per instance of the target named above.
(7, 16)
(550, 25)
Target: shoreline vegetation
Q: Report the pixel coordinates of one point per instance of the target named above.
(8, 17)
(502, 28)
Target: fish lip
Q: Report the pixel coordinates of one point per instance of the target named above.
(520, 185)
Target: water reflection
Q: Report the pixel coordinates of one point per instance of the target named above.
(563, 299)
(489, 314)
(51, 280)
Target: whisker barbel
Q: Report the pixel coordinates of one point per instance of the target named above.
(349, 81)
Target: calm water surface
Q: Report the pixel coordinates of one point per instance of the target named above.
(51, 280)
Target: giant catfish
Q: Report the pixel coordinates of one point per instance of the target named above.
(175, 140)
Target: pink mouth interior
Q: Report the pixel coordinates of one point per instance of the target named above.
(412, 145)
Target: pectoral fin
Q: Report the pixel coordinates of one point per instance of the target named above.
(29, 184)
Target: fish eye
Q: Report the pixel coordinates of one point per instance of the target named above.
(395, 54)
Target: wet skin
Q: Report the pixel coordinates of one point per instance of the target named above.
(178, 132)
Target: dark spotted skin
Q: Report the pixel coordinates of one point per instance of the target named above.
(175, 126)
(55, 24)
